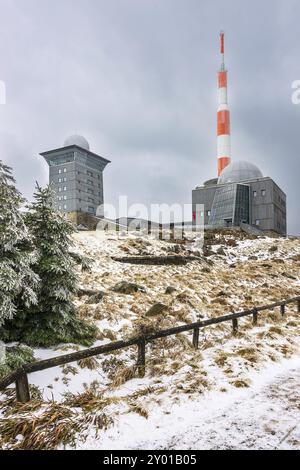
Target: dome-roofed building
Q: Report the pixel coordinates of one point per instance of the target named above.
(241, 195)
(78, 140)
(76, 176)
(239, 171)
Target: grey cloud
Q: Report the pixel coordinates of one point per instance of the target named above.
(138, 79)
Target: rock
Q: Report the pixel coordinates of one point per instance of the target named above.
(170, 290)
(156, 309)
(221, 251)
(83, 292)
(289, 276)
(231, 242)
(253, 258)
(273, 249)
(96, 298)
(207, 252)
(127, 288)
(221, 294)
(206, 270)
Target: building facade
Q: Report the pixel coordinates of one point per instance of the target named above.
(76, 176)
(241, 195)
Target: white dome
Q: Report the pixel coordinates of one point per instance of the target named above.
(77, 140)
(239, 171)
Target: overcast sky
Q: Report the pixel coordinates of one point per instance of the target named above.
(137, 78)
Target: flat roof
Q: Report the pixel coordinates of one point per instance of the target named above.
(240, 182)
(69, 147)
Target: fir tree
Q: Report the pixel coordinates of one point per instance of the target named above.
(53, 319)
(17, 280)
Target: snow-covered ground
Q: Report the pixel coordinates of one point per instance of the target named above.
(264, 416)
(224, 388)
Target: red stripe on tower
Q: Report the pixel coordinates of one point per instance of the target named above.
(223, 116)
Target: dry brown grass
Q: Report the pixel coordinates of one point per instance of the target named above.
(241, 383)
(250, 354)
(89, 401)
(55, 426)
(139, 409)
(122, 376)
(90, 363)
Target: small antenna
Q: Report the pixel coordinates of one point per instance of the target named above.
(222, 49)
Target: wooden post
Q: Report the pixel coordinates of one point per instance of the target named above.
(235, 326)
(141, 362)
(255, 317)
(196, 338)
(282, 310)
(298, 306)
(22, 389)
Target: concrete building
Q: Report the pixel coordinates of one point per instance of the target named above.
(241, 195)
(76, 176)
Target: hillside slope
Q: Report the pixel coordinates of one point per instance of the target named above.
(236, 273)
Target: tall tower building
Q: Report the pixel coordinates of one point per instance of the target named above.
(76, 176)
(223, 128)
(241, 196)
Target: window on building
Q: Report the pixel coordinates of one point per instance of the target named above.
(65, 188)
(208, 213)
(59, 208)
(91, 209)
(59, 180)
(65, 206)
(65, 179)
(201, 214)
(263, 192)
(65, 170)
(89, 173)
(257, 222)
(254, 193)
(65, 198)
(59, 189)
(59, 198)
(59, 171)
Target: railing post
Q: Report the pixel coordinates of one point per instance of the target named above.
(196, 338)
(141, 362)
(22, 388)
(235, 326)
(282, 310)
(255, 317)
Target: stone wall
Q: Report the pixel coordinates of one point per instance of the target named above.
(83, 218)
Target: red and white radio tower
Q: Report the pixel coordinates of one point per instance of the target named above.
(224, 145)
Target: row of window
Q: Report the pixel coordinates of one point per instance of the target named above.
(64, 207)
(263, 193)
(207, 213)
